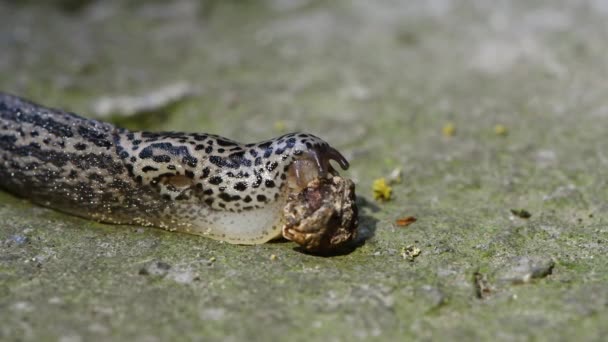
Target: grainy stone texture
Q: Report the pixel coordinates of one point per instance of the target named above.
(378, 80)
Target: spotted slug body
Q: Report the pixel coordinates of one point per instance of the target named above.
(191, 182)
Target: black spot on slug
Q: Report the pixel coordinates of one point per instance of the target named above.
(149, 168)
(270, 166)
(95, 135)
(189, 160)
(265, 145)
(268, 152)
(80, 146)
(291, 142)
(161, 159)
(215, 180)
(229, 198)
(145, 153)
(223, 142)
(240, 186)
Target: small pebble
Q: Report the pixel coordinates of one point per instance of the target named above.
(409, 253)
(19, 239)
(522, 270)
(155, 268)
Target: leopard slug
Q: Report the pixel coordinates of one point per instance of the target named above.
(189, 182)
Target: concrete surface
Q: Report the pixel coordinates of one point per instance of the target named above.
(522, 84)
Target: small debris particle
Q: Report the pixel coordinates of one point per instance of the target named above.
(273, 257)
(280, 126)
(19, 239)
(500, 130)
(448, 130)
(481, 285)
(405, 221)
(395, 176)
(521, 213)
(382, 191)
(156, 268)
(410, 252)
(210, 261)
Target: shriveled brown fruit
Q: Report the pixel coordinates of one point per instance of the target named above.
(323, 216)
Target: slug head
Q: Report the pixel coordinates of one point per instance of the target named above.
(314, 163)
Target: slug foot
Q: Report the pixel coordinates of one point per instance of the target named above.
(322, 217)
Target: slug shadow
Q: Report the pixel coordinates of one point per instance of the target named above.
(367, 230)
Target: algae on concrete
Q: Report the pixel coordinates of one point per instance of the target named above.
(378, 80)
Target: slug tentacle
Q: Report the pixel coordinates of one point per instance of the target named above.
(192, 182)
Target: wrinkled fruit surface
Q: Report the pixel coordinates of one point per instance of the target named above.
(322, 217)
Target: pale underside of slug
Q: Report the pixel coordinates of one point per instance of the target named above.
(190, 182)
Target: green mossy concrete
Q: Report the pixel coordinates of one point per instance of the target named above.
(378, 80)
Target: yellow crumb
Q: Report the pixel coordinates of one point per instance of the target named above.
(273, 257)
(500, 130)
(448, 129)
(382, 191)
(280, 126)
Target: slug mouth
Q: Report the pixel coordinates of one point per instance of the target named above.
(314, 163)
